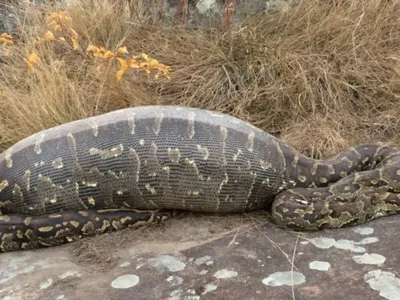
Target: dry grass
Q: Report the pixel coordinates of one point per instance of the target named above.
(323, 76)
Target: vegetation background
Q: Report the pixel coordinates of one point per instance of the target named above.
(321, 75)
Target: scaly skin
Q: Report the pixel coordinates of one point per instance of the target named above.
(111, 167)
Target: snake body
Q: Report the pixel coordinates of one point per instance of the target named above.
(134, 166)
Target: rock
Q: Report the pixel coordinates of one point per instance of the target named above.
(255, 264)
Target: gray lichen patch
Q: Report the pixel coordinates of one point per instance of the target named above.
(175, 280)
(203, 260)
(176, 293)
(323, 242)
(319, 265)
(191, 295)
(368, 240)
(369, 259)
(169, 262)
(125, 281)
(209, 288)
(363, 230)
(225, 273)
(348, 245)
(326, 243)
(284, 278)
(386, 283)
(124, 264)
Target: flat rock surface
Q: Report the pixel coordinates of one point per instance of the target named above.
(213, 257)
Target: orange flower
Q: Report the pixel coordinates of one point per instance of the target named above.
(32, 59)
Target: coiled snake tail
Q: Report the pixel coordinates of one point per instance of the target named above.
(355, 199)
